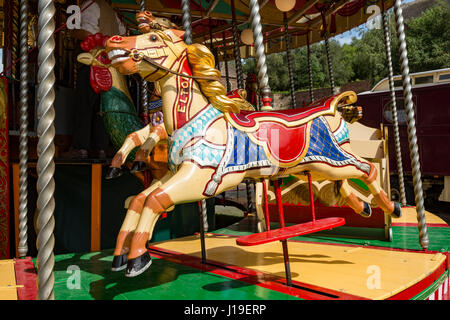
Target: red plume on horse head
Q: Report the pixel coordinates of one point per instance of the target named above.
(93, 41)
(100, 76)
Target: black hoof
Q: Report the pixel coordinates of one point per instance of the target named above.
(119, 262)
(397, 213)
(367, 212)
(113, 172)
(138, 166)
(138, 265)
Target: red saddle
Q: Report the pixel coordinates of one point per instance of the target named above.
(284, 134)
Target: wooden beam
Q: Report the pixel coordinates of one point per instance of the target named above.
(211, 7)
(300, 13)
(96, 207)
(338, 5)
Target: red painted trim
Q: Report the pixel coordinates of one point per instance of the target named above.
(284, 233)
(26, 276)
(258, 278)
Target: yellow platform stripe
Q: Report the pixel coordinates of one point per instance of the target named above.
(365, 272)
(8, 287)
(409, 215)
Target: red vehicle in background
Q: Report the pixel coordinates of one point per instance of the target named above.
(431, 97)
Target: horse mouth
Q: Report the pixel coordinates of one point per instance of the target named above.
(118, 55)
(143, 22)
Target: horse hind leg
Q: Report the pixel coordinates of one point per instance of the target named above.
(389, 207)
(360, 207)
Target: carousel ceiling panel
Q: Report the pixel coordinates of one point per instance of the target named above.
(307, 16)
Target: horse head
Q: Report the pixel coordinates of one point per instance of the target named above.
(96, 57)
(132, 54)
(147, 21)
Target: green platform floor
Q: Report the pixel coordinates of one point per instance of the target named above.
(163, 281)
(88, 276)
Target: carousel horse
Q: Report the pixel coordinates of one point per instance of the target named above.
(214, 145)
(121, 120)
(148, 137)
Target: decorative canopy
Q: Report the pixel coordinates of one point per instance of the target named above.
(215, 17)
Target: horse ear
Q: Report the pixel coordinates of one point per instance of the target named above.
(85, 58)
(169, 35)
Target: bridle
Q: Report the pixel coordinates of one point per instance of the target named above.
(136, 55)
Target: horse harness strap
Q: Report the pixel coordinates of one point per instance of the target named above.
(139, 56)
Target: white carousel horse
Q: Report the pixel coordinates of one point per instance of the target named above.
(214, 145)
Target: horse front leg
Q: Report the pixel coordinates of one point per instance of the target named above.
(135, 207)
(132, 141)
(157, 134)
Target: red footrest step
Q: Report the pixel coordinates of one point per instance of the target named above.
(290, 232)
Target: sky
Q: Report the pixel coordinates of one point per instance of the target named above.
(346, 37)
(1, 59)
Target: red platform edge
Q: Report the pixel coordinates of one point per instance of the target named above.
(26, 276)
(290, 232)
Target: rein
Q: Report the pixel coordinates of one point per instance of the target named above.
(137, 56)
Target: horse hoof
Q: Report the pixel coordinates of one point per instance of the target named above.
(138, 166)
(113, 172)
(367, 212)
(119, 262)
(397, 213)
(138, 265)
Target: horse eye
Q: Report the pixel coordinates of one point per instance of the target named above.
(153, 38)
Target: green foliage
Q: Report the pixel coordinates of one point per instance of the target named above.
(428, 44)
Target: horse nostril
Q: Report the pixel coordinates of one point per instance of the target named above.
(116, 39)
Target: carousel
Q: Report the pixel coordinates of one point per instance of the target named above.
(311, 182)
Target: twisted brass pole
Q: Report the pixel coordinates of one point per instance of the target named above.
(144, 85)
(411, 126)
(46, 150)
(186, 18)
(260, 54)
(23, 144)
(398, 152)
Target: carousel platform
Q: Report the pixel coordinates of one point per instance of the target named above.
(322, 268)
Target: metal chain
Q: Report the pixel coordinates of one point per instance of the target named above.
(330, 64)
(398, 152)
(23, 144)
(311, 84)
(46, 150)
(225, 62)
(287, 40)
(144, 85)
(236, 49)
(411, 126)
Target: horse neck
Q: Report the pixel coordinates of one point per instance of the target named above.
(182, 98)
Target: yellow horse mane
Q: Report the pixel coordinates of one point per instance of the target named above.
(202, 64)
